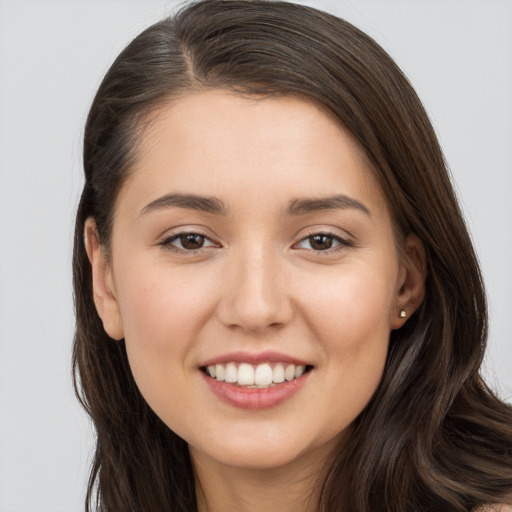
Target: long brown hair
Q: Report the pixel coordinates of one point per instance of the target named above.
(434, 436)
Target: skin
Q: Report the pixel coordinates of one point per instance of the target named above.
(258, 284)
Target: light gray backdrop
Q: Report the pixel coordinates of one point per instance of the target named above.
(458, 55)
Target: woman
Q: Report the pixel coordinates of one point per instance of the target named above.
(278, 304)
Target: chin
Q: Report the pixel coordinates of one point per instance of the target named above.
(269, 450)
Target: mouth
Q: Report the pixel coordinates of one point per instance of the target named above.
(255, 376)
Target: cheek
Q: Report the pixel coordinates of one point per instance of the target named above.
(350, 321)
(353, 309)
(162, 311)
(159, 304)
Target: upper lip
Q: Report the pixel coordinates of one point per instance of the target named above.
(254, 358)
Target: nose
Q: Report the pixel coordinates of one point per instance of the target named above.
(256, 295)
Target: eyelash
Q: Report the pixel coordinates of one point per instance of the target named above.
(342, 242)
(167, 243)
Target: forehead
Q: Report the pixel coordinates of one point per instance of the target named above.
(223, 144)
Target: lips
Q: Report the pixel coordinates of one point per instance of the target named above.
(255, 381)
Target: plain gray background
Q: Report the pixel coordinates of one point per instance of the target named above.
(53, 54)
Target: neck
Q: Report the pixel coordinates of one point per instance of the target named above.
(290, 488)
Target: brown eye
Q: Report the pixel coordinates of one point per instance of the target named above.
(326, 242)
(321, 242)
(191, 241)
(184, 242)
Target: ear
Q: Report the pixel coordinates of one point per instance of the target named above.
(103, 287)
(411, 283)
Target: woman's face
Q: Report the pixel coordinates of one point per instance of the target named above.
(251, 243)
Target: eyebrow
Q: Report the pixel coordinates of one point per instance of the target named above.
(187, 201)
(299, 206)
(306, 205)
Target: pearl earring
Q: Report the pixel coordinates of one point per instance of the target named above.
(403, 314)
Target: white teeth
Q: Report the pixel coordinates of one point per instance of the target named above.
(278, 374)
(262, 375)
(219, 372)
(245, 375)
(257, 376)
(299, 370)
(231, 374)
(289, 373)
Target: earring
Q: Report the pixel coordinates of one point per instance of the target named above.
(403, 314)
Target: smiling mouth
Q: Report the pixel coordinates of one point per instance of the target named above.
(260, 376)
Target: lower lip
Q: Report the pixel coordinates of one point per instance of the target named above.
(255, 398)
